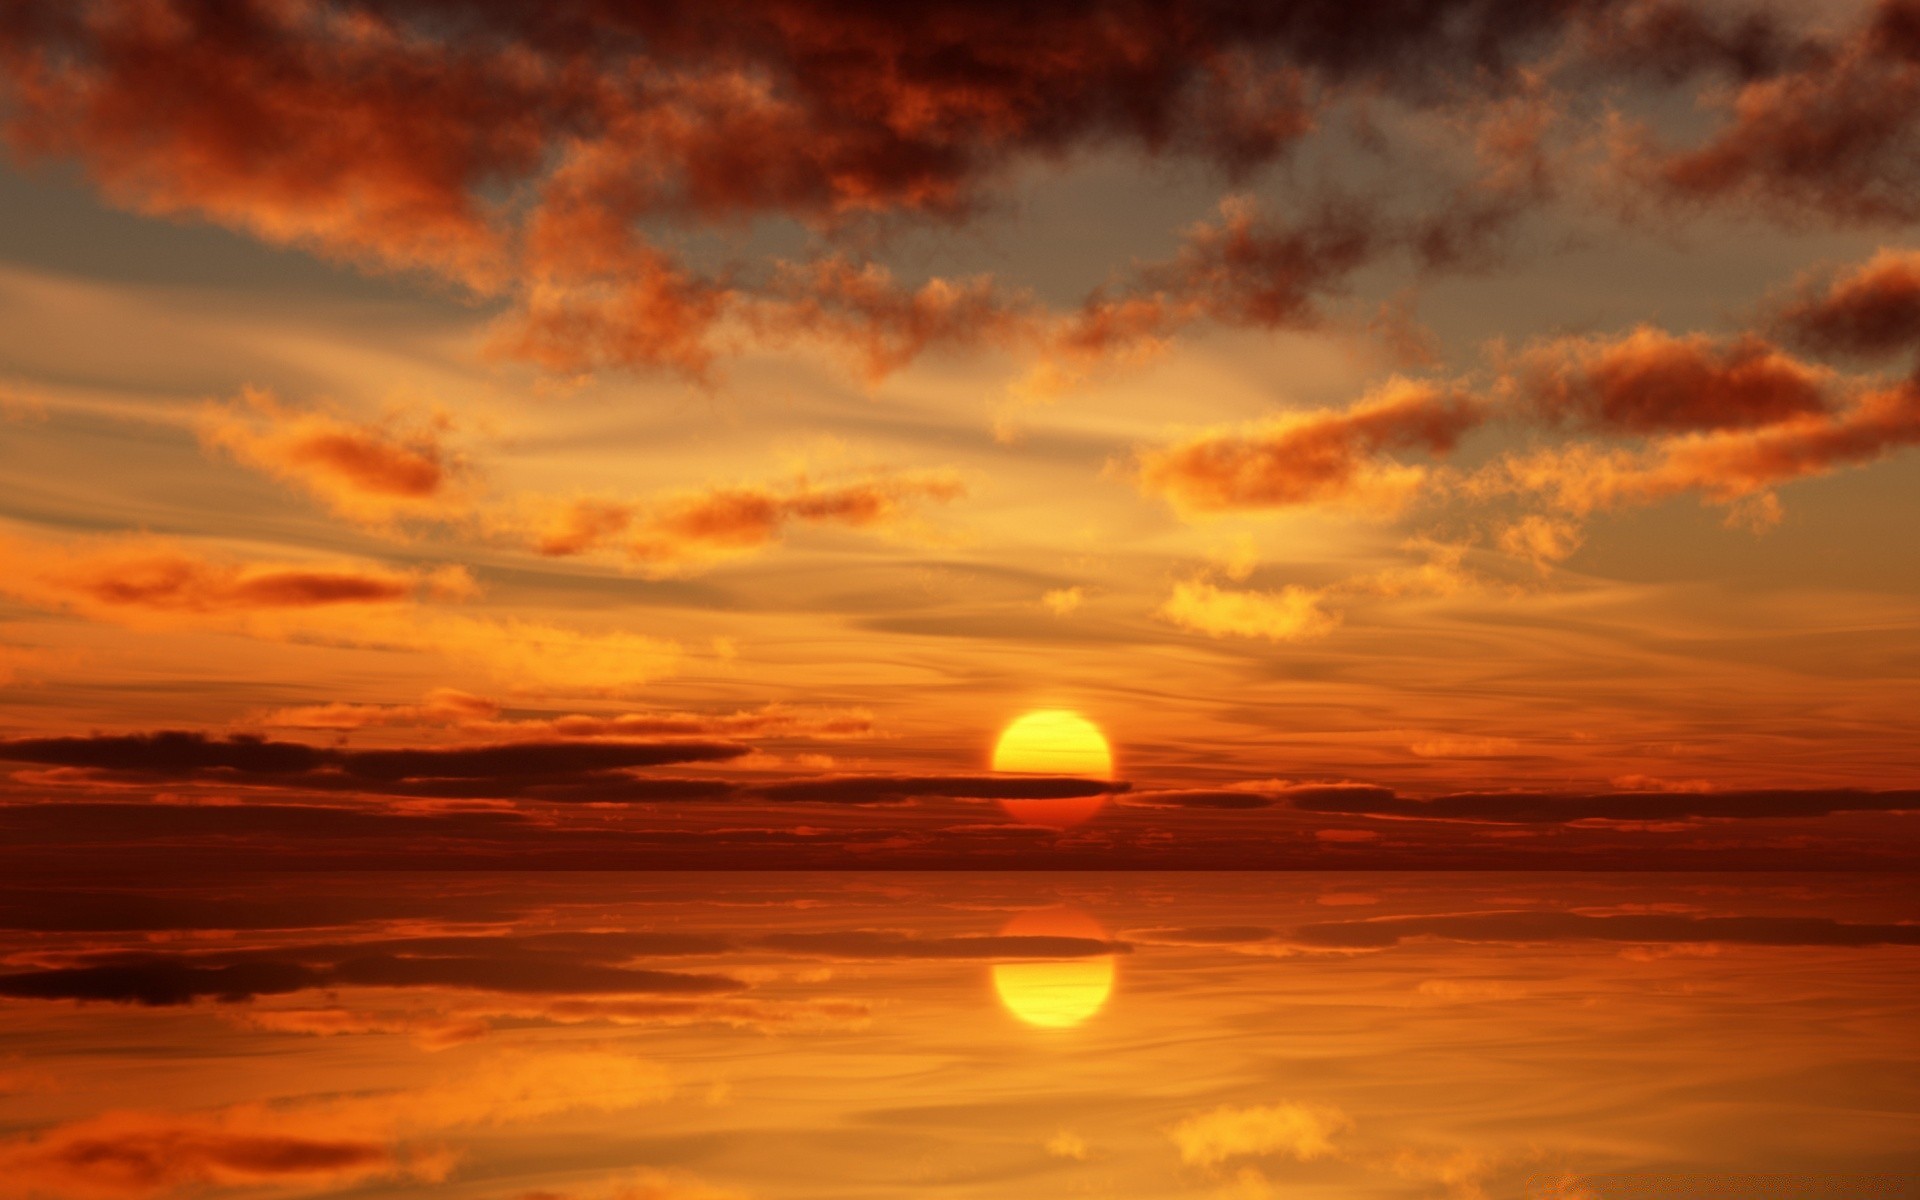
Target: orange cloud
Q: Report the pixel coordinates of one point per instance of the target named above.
(143, 577)
(1242, 270)
(681, 533)
(442, 706)
(1300, 1131)
(1872, 310)
(1292, 614)
(1834, 137)
(881, 324)
(1652, 382)
(138, 1155)
(1727, 466)
(477, 714)
(373, 474)
(1323, 456)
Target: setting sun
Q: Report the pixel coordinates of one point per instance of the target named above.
(1054, 741)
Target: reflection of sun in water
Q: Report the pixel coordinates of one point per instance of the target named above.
(1062, 993)
(1054, 741)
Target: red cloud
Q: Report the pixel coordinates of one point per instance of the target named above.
(138, 1155)
(1323, 456)
(1725, 466)
(1241, 270)
(734, 520)
(1872, 310)
(1833, 137)
(371, 473)
(135, 576)
(517, 151)
(1649, 381)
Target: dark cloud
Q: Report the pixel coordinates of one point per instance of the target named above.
(1203, 935)
(1871, 310)
(162, 982)
(1235, 798)
(1563, 926)
(521, 152)
(498, 770)
(182, 980)
(868, 944)
(1835, 136)
(1652, 382)
(890, 789)
(1551, 808)
(1319, 457)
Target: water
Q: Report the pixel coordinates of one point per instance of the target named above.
(667, 1037)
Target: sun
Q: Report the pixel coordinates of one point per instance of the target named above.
(1056, 994)
(1054, 741)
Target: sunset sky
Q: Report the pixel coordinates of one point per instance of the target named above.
(1440, 433)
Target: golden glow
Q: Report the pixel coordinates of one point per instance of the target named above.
(1054, 741)
(1062, 993)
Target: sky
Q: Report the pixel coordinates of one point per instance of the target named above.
(1450, 433)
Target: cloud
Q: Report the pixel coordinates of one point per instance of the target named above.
(446, 707)
(893, 789)
(689, 531)
(1323, 456)
(872, 945)
(1292, 614)
(883, 326)
(1732, 467)
(145, 578)
(1259, 794)
(506, 769)
(1242, 270)
(1063, 602)
(159, 981)
(442, 706)
(1561, 808)
(1832, 137)
(1872, 310)
(1527, 926)
(519, 155)
(138, 1155)
(1542, 540)
(1295, 613)
(373, 474)
(319, 1143)
(1652, 382)
(1304, 1132)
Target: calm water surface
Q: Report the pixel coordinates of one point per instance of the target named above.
(671, 1037)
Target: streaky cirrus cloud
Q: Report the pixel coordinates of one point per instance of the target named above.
(448, 707)
(1538, 926)
(1562, 807)
(503, 769)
